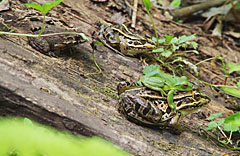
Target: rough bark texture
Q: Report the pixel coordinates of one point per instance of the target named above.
(61, 92)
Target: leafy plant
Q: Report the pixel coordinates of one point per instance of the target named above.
(176, 3)
(230, 124)
(234, 91)
(228, 68)
(44, 8)
(169, 51)
(172, 44)
(21, 137)
(93, 44)
(213, 124)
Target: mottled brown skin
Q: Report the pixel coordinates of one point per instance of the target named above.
(57, 44)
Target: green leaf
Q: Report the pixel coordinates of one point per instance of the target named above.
(232, 122)
(166, 53)
(48, 6)
(194, 44)
(45, 7)
(221, 121)
(234, 91)
(211, 125)
(233, 67)
(161, 40)
(35, 6)
(98, 43)
(214, 116)
(174, 47)
(230, 127)
(174, 40)
(184, 45)
(176, 3)
(147, 4)
(185, 38)
(168, 38)
(158, 50)
(84, 36)
(237, 6)
(238, 84)
(179, 21)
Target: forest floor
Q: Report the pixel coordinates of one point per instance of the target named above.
(62, 92)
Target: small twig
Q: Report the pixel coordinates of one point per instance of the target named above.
(221, 131)
(195, 8)
(134, 13)
(225, 80)
(204, 61)
(234, 11)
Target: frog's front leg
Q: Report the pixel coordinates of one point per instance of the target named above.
(174, 125)
(40, 44)
(170, 100)
(124, 48)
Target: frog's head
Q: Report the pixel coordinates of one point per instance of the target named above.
(188, 102)
(181, 83)
(125, 85)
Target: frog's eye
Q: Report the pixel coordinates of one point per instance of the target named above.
(130, 42)
(128, 83)
(185, 85)
(195, 88)
(99, 24)
(197, 96)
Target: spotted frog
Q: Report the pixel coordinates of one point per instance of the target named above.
(148, 107)
(55, 45)
(123, 41)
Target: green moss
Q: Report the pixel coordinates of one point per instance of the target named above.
(104, 90)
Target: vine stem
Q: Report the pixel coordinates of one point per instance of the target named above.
(154, 26)
(43, 25)
(44, 35)
(204, 61)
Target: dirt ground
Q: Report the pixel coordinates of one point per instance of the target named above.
(60, 91)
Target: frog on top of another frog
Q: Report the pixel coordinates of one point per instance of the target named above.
(148, 107)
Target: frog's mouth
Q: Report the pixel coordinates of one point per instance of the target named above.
(191, 104)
